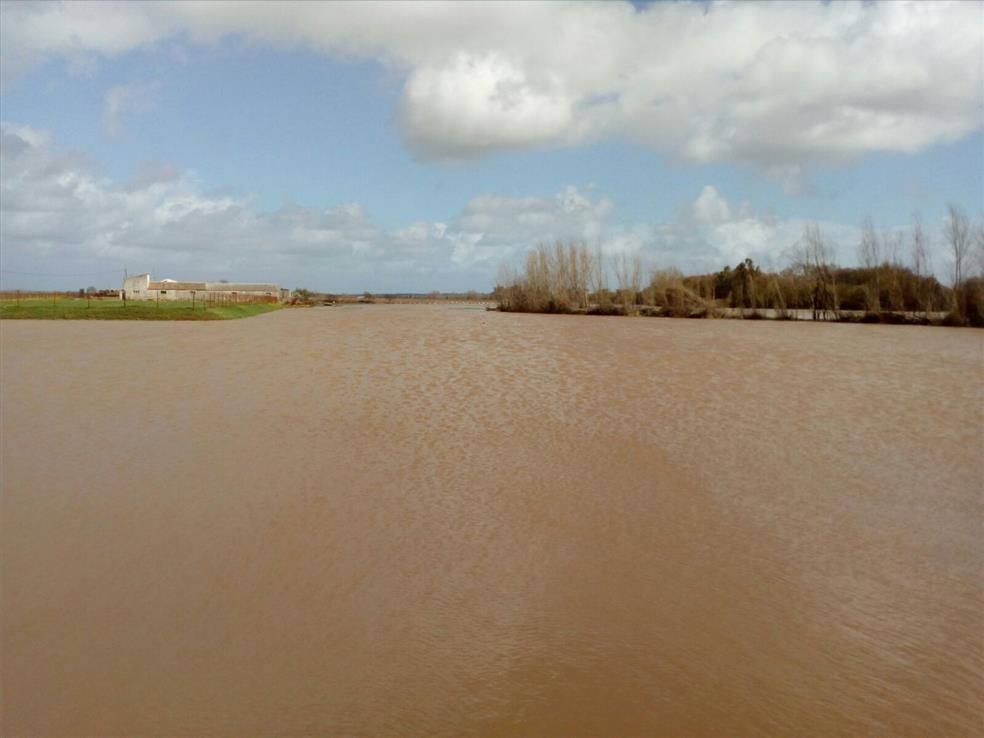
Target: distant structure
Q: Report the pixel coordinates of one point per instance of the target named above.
(141, 287)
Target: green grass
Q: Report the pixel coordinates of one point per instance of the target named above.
(43, 308)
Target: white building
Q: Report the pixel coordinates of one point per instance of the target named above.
(140, 287)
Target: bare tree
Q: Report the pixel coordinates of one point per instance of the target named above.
(869, 255)
(554, 279)
(628, 274)
(956, 234)
(665, 285)
(893, 244)
(505, 275)
(635, 275)
(921, 265)
(814, 259)
(599, 276)
(979, 241)
(957, 237)
(587, 267)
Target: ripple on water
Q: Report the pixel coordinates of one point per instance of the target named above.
(412, 520)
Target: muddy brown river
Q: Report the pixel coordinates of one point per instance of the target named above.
(434, 521)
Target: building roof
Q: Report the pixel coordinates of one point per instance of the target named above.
(214, 286)
(240, 287)
(177, 286)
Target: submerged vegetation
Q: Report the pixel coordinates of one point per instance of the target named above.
(572, 278)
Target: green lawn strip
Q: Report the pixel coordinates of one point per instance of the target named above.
(81, 309)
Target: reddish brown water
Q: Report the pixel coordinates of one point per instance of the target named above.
(429, 521)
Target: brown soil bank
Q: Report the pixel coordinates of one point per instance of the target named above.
(427, 521)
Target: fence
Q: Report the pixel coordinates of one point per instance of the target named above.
(16, 295)
(234, 298)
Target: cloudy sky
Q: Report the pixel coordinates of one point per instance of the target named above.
(416, 146)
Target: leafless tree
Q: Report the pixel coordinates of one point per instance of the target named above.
(979, 241)
(628, 274)
(957, 237)
(814, 259)
(956, 234)
(587, 266)
(869, 255)
(555, 279)
(599, 275)
(893, 245)
(921, 265)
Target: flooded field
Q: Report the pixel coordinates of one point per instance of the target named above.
(397, 520)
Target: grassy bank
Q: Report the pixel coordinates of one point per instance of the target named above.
(66, 308)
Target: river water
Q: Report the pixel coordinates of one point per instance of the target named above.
(404, 520)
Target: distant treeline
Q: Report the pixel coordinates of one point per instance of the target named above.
(572, 278)
(303, 296)
(30, 294)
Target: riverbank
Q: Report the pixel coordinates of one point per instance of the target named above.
(572, 279)
(937, 318)
(65, 308)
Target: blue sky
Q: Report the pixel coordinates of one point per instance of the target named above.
(419, 146)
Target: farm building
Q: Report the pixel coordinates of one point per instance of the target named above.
(141, 287)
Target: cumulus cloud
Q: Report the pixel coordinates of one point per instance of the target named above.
(474, 105)
(57, 214)
(710, 207)
(777, 86)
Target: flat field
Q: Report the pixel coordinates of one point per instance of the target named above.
(67, 308)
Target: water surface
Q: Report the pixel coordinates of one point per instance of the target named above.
(400, 520)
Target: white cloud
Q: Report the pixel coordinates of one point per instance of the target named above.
(713, 232)
(58, 215)
(774, 85)
(710, 207)
(474, 105)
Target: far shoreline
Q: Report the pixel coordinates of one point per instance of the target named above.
(934, 318)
